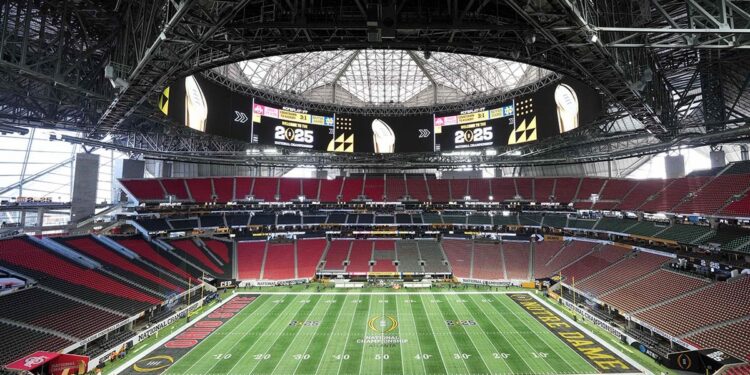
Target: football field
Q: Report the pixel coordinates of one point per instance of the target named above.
(390, 333)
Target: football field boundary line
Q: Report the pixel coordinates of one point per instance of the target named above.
(170, 336)
(354, 292)
(596, 337)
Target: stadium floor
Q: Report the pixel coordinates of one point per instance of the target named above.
(389, 333)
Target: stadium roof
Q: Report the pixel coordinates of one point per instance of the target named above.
(383, 77)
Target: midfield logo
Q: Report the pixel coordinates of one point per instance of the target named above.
(382, 323)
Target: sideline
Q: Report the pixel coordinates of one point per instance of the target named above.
(170, 336)
(354, 292)
(596, 337)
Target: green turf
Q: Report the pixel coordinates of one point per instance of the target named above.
(502, 338)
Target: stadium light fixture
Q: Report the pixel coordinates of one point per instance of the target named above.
(491, 198)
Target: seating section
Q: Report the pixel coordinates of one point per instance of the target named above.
(40, 308)
(224, 189)
(374, 188)
(250, 257)
(200, 189)
(161, 258)
(516, 256)
(432, 255)
(63, 275)
(683, 233)
(145, 190)
(18, 342)
(665, 200)
(289, 189)
(221, 249)
(600, 258)
(634, 266)
(189, 250)
(550, 257)
(134, 270)
(176, 187)
(692, 194)
(460, 255)
(732, 338)
(439, 190)
(360, 256)
(407, 253)
(715, 194)
(659, 286)
(488, 261)
(384, 254)
(352, 189)
(338, 252)
(417, 188)
(154, 225)
(309, 252)
(720, 302)
(279, 264)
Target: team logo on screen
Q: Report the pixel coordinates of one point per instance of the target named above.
(382, 323)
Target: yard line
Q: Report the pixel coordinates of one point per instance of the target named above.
(364, 345)
(432, 329)
(284, 313)
(311, 338)
(334, 331)
(301, 315)
(360, 316)
(416, 333)
(511, 346)
(489, 369)
(565, 346)
(228, 325)
(523, 337)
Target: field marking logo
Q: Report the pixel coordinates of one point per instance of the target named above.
(154, 363)
(382, 323)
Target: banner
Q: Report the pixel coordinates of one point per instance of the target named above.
(67, 364)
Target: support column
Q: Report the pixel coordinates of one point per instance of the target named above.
(85, 182)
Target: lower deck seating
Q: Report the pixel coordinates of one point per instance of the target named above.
(221, 249)
(18, 342)
(460, 255)
(407, 253)
(516, 256)
(732, 338)
(280, 263)
(488, 261)
(384, 254)
(361, 254)
(188, 249)
(309, 252)
(551, 257)
(338, 252)
(63, 275)
(600, 258)
(634, 266)
(660, 286)
(720, 302)
(40, 308)
(131, 269)
(430, 253)
(250, 256)
(160, 258)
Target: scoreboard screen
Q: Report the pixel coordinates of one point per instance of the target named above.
(383, 134)
(481, 127)
(290, 127)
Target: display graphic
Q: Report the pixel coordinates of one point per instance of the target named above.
(383, 134)
(479, 127)
(291, 127)
(203, 105)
